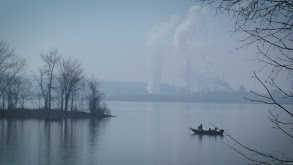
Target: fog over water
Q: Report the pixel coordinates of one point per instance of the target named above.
(174, 42)
(162, 67)
(143, 133)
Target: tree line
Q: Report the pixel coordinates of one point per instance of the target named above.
(60, 83)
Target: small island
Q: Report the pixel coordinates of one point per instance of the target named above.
(48, 115)
(60, 89)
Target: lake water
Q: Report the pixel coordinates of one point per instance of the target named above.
(143, 133)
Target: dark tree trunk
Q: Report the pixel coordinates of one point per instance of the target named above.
(62, 101)
(3, 103)
(66, 102)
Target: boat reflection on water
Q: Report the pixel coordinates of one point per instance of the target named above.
(205, 137)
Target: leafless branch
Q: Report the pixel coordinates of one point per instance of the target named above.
(276, 121)
(257, 156)
(269, 25)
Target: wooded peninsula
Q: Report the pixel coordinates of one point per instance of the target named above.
(58, 90)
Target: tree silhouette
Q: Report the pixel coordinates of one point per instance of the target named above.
(95, 99)
(268, 25)
(47, 75)
(70, 75)
(10, 66)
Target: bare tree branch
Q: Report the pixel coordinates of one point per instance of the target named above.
(10, 66)
(268, 25)
(259, 157)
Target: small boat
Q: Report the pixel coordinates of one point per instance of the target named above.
(207, 132)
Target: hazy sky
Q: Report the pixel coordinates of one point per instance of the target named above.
(171, 41)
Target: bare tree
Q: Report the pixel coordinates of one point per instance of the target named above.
(12, 92)
(82, 96)
(95, 99)
(268, 25)
(4, 85)
(95, 96)
(70, 75)
(10, 66)
(18, 92)
(39, 97)
(47, 74)
(43, 90)
(25, 92)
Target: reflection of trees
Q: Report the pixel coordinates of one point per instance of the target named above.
(47, 131)
(79, 140)
(46, 142)
(76, 141)
(10, 135)
(68, 141)
(58, 143)
(10, 141)
(96, 127)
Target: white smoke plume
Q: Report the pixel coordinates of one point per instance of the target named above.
(197, 46)
(158, 46)
(190, 40)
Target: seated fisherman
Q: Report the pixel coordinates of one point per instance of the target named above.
(200, 127)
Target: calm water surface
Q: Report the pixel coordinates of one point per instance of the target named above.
(142, 133)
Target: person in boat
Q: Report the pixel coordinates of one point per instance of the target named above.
(200, 127)
(216, 129)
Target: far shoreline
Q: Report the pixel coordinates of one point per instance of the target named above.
(192, 101)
